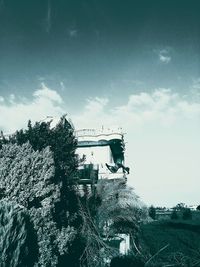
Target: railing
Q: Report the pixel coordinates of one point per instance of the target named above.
(95, 132)
(112, 176)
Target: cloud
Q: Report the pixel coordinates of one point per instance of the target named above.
(162, 140)
(164, 56)
(16, 111)
(162, 107)
(196, 83)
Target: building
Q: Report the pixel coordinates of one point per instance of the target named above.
(102, 152)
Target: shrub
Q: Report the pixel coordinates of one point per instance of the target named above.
(128, 261)
(187, 214)
(174, 215)
(152, 212)
(28, 177)
(18, 242)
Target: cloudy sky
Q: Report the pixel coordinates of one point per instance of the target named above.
(134, 64)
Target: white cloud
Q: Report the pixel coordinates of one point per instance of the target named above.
(47, 94)
(162, 107)
(16, 111)
(164, 56)
(196, 83)
(163, 146)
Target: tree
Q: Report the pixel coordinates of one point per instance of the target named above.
(27, 177)
(117, 209)
(59, 138)
(174, 215)
(119, 205)
(187, 214)
(152, 212)
(41, 176)
(62, 143)
(18, 242)
(198, 207)
(180, 206)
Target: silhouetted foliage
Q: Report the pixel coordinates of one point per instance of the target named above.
(187, 214)
(112, 209)
(126, 261)
(174, 215)
(18, 241)
(198, 207)
(180, 206)
(152, 212)
(120, 206)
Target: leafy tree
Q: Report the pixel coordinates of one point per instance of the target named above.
(28, 177)
(120, 206)
(198, 207)
(59, 138)
(174, 215)
(152, 212)
(180, 206)
(62, 143)
(117, 209)
(187, 214)
(18, 242)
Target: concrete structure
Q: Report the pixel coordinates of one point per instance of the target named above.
(103, 153)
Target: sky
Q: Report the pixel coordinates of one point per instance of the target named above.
(133, 64)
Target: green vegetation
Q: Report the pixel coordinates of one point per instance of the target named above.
(152, 212)
(38, 170)
(18, 242)
(179, 239)
(45, 222)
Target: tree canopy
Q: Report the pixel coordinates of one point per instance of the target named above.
(38, 171)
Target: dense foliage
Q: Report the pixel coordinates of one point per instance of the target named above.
(28, 177)
(113, 209)
(120, 206)
(152, 212)
(18, 241)
(59, 138)
(38, 171)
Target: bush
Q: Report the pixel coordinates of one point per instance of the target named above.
(187, 214)
(152, 212)
(128, 261)
(18, 242)
(174, 215)
(39, 175)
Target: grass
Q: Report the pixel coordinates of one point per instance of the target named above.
(180, 237)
